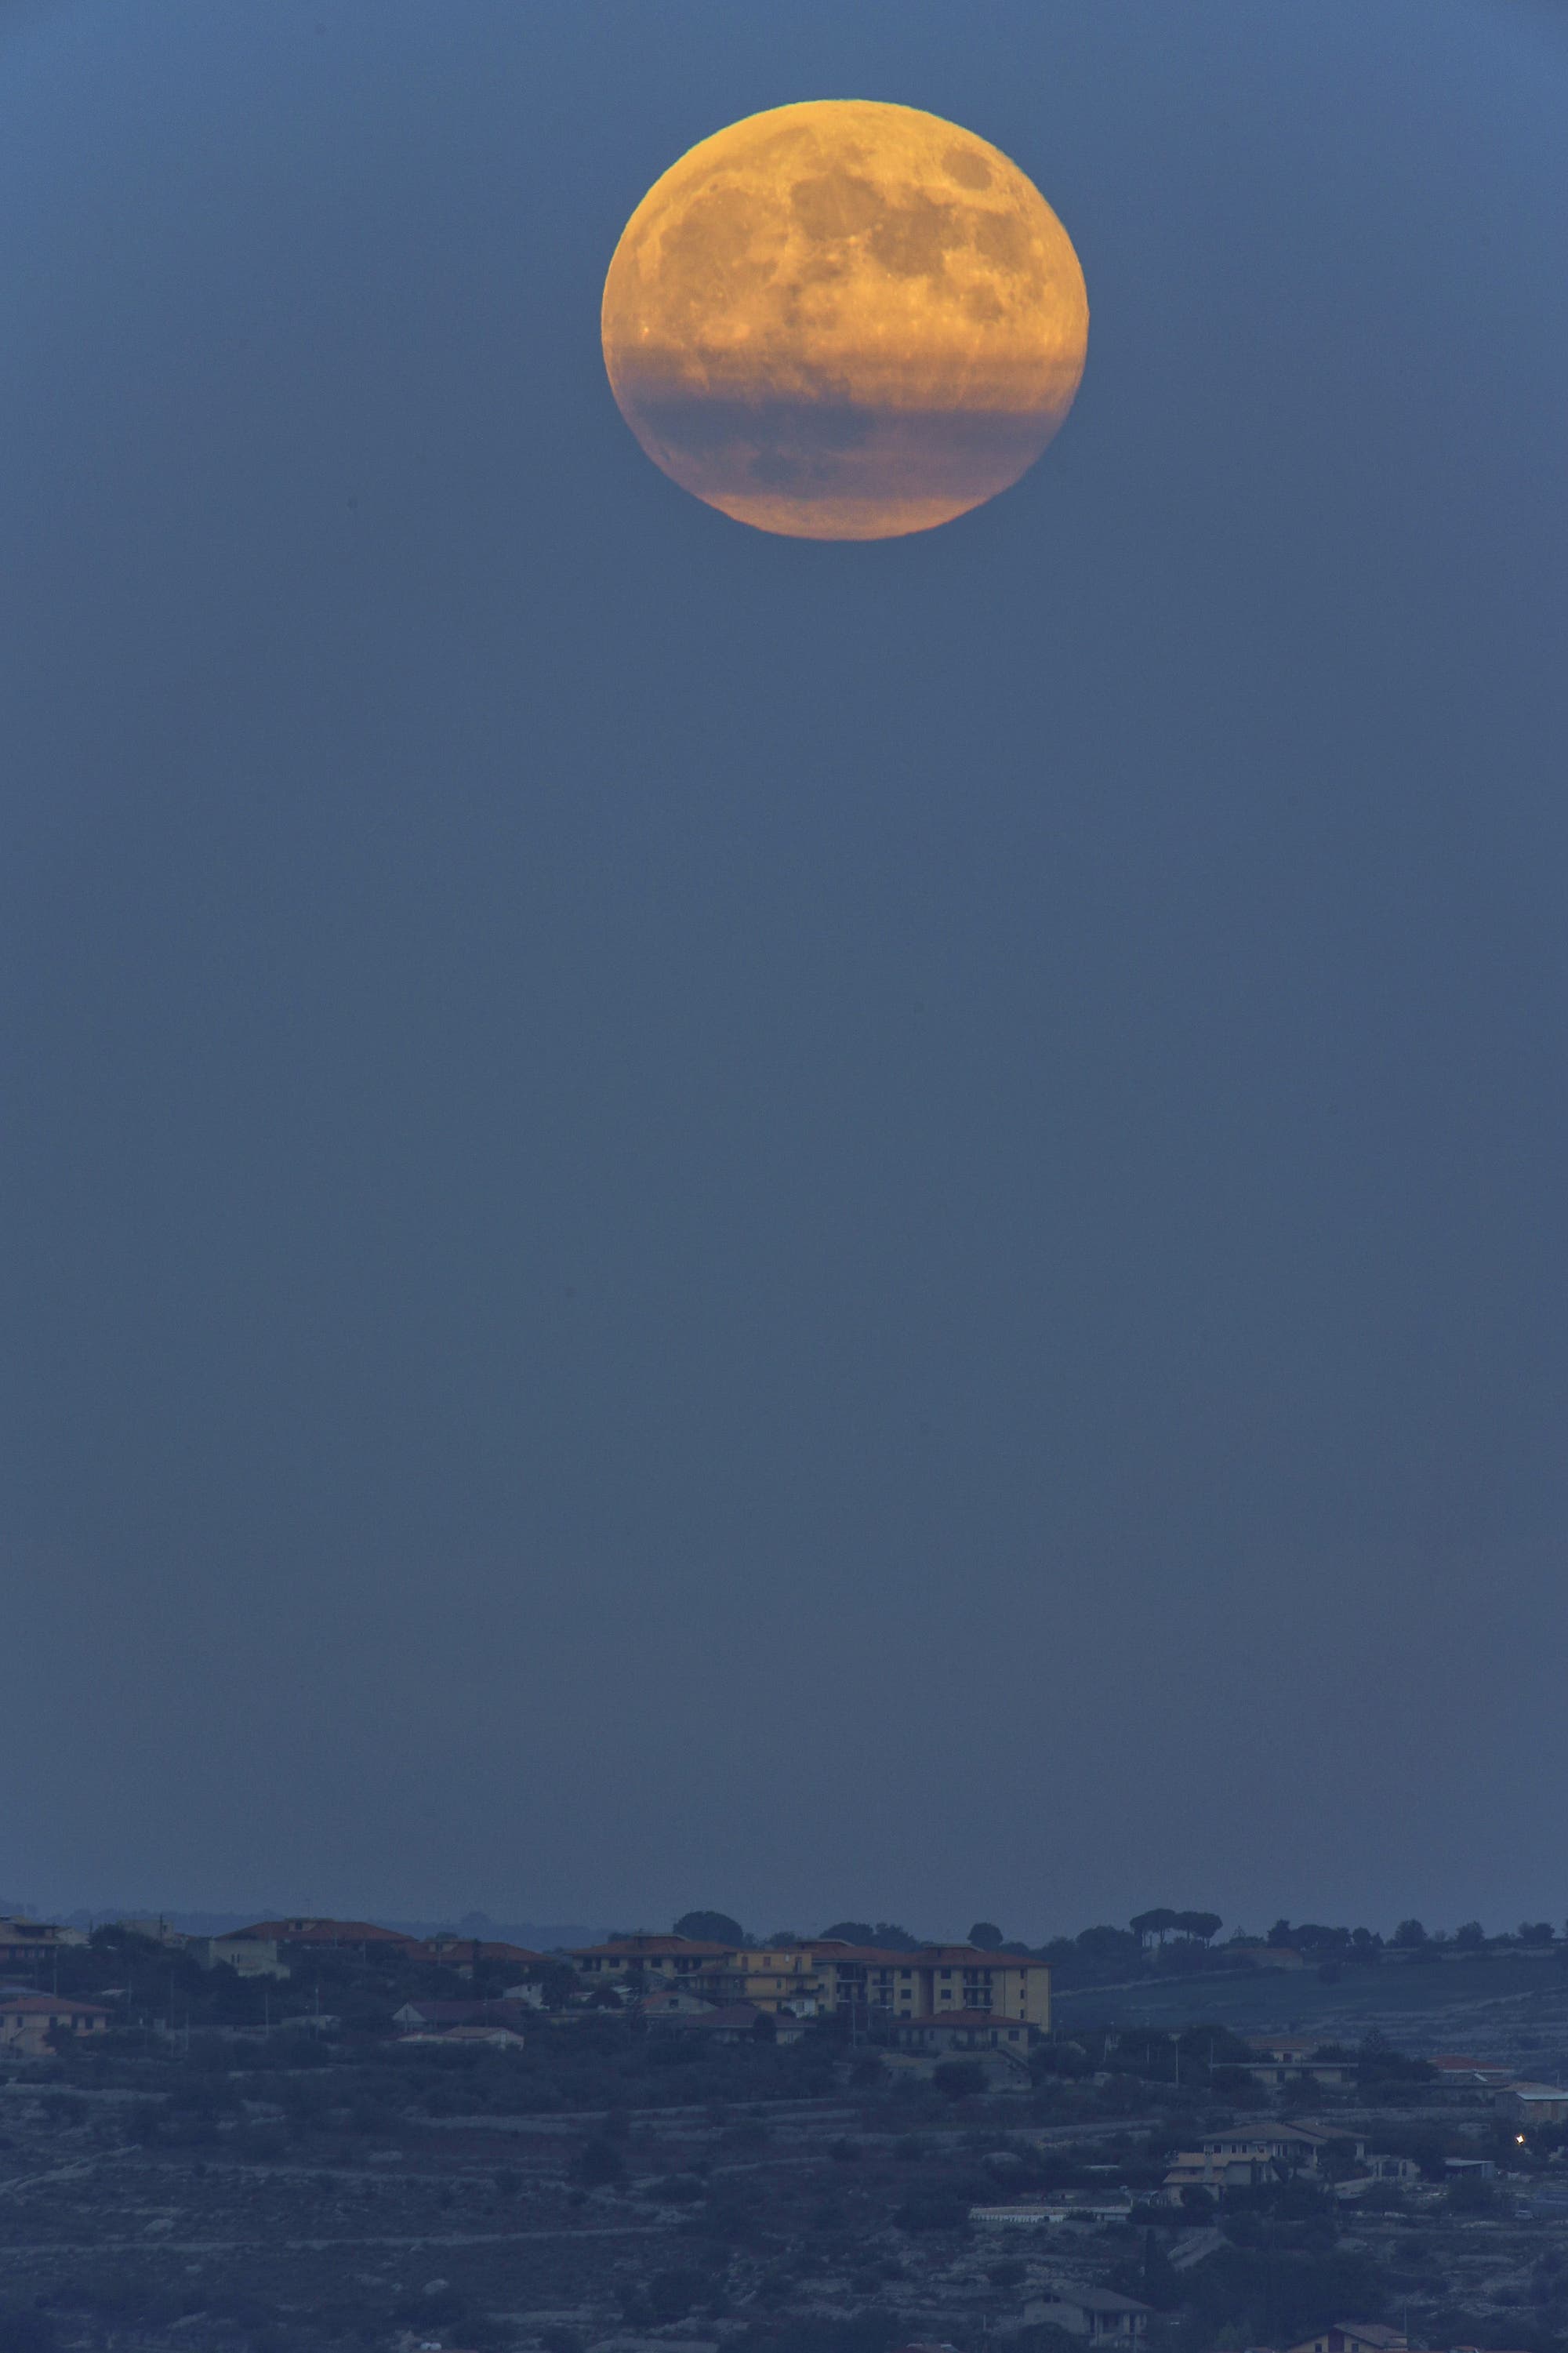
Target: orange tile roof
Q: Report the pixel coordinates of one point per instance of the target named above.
(33, 2004)
(325, 1932)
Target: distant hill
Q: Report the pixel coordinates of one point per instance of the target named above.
(540, 1936)
(1503, 2006)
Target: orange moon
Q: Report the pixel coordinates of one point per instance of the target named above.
(845, 321)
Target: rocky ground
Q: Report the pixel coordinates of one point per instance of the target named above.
(822, 2225)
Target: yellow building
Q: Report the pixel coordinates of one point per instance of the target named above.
(29, 2019)
(632, 1964)
(772, 1977)
(933, 1980)
(819, 1975)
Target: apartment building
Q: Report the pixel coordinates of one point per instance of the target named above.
(933, 1980)
(772, 1977)
(646, 1963)
(24, 1943)
(820, 1975)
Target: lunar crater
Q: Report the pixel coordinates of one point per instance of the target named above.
(808, 327)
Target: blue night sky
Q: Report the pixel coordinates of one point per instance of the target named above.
(696, 1219)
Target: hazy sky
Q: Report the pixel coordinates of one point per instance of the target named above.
(697, 1218)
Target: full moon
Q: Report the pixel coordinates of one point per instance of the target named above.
(845, 321)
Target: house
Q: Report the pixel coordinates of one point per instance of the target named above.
(963, 2030)
(1353, 2337)
(352, 1936)
(1096, 2312)
(1290, 2059)
(1379, 2167)
(1291, 2148)
(416, 2016)
(154, 1929)
(730, 2021)
(24, 1943)
(1017, 2214)
(676, 2002)
(998, 2046)
(1532, 2104)
(498, 2038)
(1200, 2169)
(248, 1956)
(28, 2019)
(1267, 1956)
(529, 1994)
(1382, 2167)
(1241, 2159)
(463, 1953)
(1459, 2072)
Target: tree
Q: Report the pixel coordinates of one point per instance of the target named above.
(894, 1940)
(1312, 1936)
(1205, 1926)
(885, 1933)
(1106, 1947)
(1378, 2063)
(1158, 1922)
(1156, 2279)
(936, 2209)
(1535, 1932)
(1337, 2160)
(987, 1935)
(1280, 1933)
(709, 1929)
(1409, 1934)
(1470, 1935)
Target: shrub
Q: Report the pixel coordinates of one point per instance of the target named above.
(934, 2212)
(600, 2165)
(671, 2294)
(958, 2079)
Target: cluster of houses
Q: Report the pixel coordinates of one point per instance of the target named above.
(1243, 2156)
(918, 2008)
(1103, 2316)
(923, 2006)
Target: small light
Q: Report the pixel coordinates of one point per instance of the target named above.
(1519, 2139)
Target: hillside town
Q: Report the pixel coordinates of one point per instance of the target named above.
(325, 2135)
